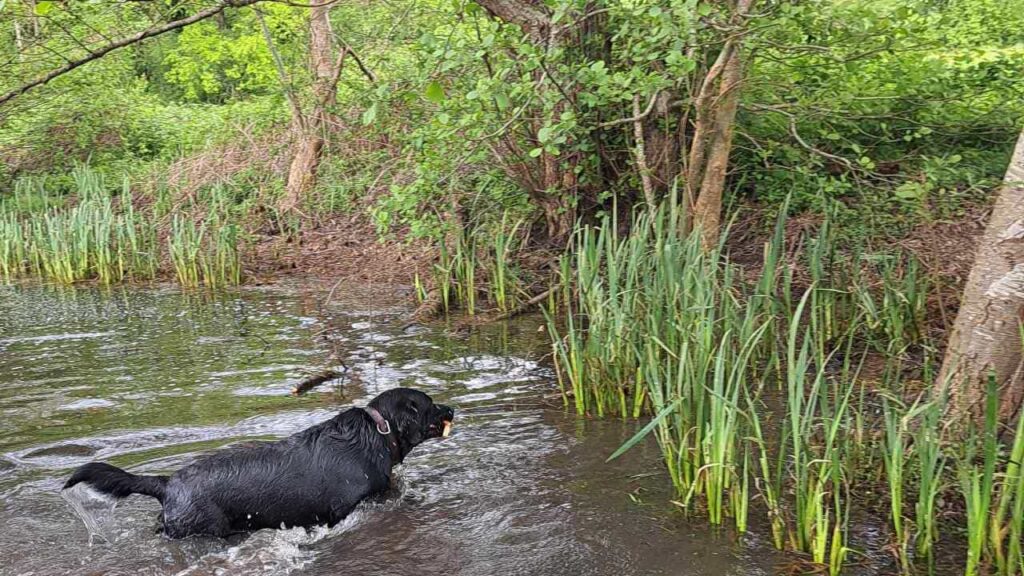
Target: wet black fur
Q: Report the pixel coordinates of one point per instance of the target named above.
(316, 476)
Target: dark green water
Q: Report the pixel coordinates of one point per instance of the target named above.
(150, 378)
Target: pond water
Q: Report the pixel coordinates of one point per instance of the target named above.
(148, 379)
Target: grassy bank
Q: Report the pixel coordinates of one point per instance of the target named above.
(796, 391)
(98, 234)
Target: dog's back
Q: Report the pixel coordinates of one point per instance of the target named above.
(313, 477)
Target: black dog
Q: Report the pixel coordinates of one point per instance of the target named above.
(316, 476)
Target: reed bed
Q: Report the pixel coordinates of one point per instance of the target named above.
(99, 235)
(476, 265)
(759, 398)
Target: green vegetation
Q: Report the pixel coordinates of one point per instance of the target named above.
(654, 323)
(102, 236)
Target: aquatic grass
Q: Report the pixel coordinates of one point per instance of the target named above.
(770, 485)
(13, 258)
(894, 458)
(651, 322)
(101, 236)
(977, 483)
(1008, 520)
(931, 463)
(503, 278)
(185, 242)
(689, 354)
(1006, 529)
(464, 265)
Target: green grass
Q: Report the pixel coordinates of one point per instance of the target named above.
(478, 262)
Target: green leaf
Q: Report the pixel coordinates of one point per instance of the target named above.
(909, 191)
(544, 134)
(645, 430)
(43, 8)
(370, 115)
(435, 92)
(536, 152)
(501, 100)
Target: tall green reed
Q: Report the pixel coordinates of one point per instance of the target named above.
(100, 235)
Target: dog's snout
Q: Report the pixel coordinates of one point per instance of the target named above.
(447, 412)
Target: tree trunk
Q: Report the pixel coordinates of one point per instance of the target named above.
(309, 131)
(986, 337)
(714, 120)
(707, 211)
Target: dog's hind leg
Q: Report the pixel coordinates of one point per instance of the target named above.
(192, 518)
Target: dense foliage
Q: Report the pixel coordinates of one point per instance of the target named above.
(898, 108)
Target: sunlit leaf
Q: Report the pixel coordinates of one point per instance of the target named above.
(501, 100)
(370, 114)
(435, 92)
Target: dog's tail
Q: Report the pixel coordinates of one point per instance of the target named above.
(115, 482)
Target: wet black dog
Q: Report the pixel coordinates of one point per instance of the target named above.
(316, 476)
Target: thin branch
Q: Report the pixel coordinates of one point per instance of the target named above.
(346, 47)
(134, 39)
(636, 117)
(641, 153)
(286, 83)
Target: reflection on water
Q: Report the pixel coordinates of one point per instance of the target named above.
(148, 379)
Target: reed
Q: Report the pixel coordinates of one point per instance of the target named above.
(503, 278)
(101, 236)
(652, 322)
(894, 456)
(931, 464)
(977, 482)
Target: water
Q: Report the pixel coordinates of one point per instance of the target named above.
(148, 379)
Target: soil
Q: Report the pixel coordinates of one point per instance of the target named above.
(347, 248)
(342, 248)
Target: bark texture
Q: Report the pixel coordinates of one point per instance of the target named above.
(310, 131)
(986, 337)
(715, 118)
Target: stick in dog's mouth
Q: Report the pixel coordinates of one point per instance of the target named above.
(447, 429)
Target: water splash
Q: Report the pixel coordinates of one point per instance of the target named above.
(270, 552)
(93, 508)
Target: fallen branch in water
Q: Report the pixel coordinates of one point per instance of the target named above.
(315, 380)
(527, 305)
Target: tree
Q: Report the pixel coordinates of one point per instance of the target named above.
(310, 129)
(988, 335)
(715, 109)
(590, 59)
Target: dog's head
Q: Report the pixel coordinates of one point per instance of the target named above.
(413, 416)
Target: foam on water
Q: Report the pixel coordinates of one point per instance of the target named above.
(270, 552)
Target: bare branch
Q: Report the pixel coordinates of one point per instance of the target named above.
(286, 83)
(347, 48)
(133, 39)
(641, 152)
(637, 115)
